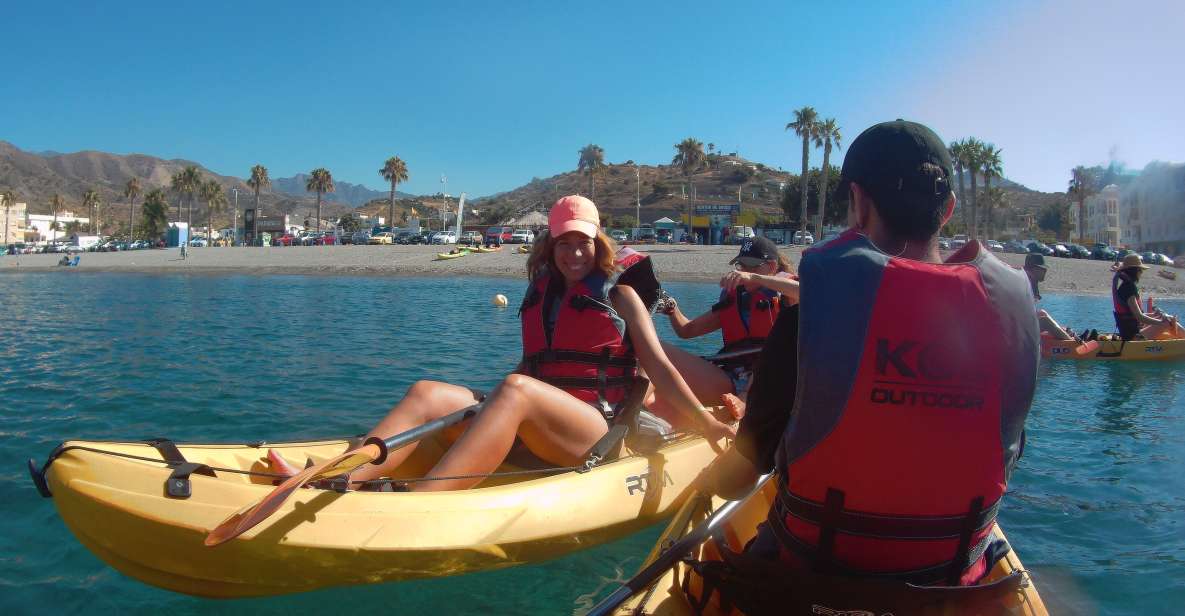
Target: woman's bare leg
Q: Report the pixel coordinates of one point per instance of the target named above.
(554, 425)
(707, 381)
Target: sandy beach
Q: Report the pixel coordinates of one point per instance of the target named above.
(674, 263)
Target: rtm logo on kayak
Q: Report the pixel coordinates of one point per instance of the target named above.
(1153, 349)
(943, 380)
(639, 483)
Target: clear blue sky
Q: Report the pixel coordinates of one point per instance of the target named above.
(493, 93)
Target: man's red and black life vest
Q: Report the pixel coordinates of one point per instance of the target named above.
(585, 351)
(1125, 320)
(913, 386)
(763, 306)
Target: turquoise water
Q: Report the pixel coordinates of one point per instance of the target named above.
(1095, 508)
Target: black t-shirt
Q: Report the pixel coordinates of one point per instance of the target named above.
(771, 394)
(1127, 290)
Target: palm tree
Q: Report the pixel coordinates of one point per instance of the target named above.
(689, 156)
(130, 192)
(992, 167)
(958, 155)
(56, 203)
(592, 160)
(972, 161)
(1083, 183)
(994, 197)
(258, 181)
(394, 171)
(215, 202)
(321, 181)
(826, 136)
(154, 214)
(186, 182)
(9, 200)
(90, 201)
(805, 125)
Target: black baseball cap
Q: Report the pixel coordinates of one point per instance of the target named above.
(755, 251)
(891, 162)
(1035, 261)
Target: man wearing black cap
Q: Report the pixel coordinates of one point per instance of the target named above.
(899, 396)
(1035, 269)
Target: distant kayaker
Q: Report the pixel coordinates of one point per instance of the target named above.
(893, 407)
(751, 297)
(1035, 269)
(1130, 319)
(584, 339)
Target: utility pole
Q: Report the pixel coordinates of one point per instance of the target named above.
(638, 196)
(234, 227)
(444, 197)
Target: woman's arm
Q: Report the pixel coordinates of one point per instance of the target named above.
(659, 367)
(782, 284)
(705, 323)
(1133, 304)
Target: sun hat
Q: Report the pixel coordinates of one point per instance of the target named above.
(1035, 261)
(891, 160)
(1128, 262)
(573, 213)
(755, 251)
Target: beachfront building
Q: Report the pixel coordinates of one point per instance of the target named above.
(13, 223)
(1152, 208)
(1102, 217)
(39, 227)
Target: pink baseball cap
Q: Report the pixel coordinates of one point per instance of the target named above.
(573, 213)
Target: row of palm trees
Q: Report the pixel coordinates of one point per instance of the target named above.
(822, 133)
(977, 158)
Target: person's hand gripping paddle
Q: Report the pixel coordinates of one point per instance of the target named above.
(373, 451)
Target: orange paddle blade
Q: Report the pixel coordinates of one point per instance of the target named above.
(245, 520)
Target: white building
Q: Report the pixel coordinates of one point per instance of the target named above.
(1102, 216)
(13, 223)
(40, 225)
(1152, 208)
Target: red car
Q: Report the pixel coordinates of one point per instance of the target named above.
(326, 239)
(286, 240)
(503, 234)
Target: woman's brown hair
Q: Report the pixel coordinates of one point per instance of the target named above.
(784, 264)
(543, 254)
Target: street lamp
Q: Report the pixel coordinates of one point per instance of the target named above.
(638, 196)
(234, 228)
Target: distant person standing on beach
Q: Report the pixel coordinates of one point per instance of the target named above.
(893, 407)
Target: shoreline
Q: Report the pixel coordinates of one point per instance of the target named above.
(672, 263)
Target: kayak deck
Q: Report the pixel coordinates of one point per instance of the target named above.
(119, 509)
(666, 598)
(1132, 350)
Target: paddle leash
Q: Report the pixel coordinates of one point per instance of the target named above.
(373, 451)
(673, 554)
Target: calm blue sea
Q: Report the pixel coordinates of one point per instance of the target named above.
(1096, 508)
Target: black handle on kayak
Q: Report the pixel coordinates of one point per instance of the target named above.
(408, 437)
(667, 559)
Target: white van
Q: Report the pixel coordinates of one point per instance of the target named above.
(739, 233)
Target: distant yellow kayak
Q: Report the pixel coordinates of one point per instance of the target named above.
(1131, 350)
(451, 255)
(483, 249)
(524, 249)
(119, 500)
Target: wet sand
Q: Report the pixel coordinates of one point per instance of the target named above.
(674, 263)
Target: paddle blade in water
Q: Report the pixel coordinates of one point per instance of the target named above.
(244, 521)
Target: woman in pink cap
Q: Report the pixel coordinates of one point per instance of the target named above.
(584, 340)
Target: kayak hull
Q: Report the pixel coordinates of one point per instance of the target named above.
(117, 507)
(666, 597)
(1133, 350)
(444, 256)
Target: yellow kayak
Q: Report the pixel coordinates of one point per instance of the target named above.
(666, 597)
(1132, 350)
(442, 256)
(524, 249)
(113, 496)
(483, 249)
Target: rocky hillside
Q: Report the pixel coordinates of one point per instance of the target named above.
(36, 177)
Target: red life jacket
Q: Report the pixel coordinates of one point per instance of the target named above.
(763, 308)
(1125, 320)
(914, 382)
(587, 352)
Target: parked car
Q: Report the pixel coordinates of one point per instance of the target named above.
(326, 239)
(470, 238)
(664, 236)
(1102, 252)
(522, 236)
(943, 243)
(444, 237)
(346, 237)
(1154, 258)
(1037, 248)
(361, 238)
(1123, 252)
(647, 235)
(417, 238)
(1078, 251)
(618, 235)
(803, 237)
(502, 234)
(1060, 250)
(383, 238)
(1015, 247)
(994, 246)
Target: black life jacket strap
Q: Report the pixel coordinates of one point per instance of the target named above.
(578, 357)
(969, 528)
(882, 526)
